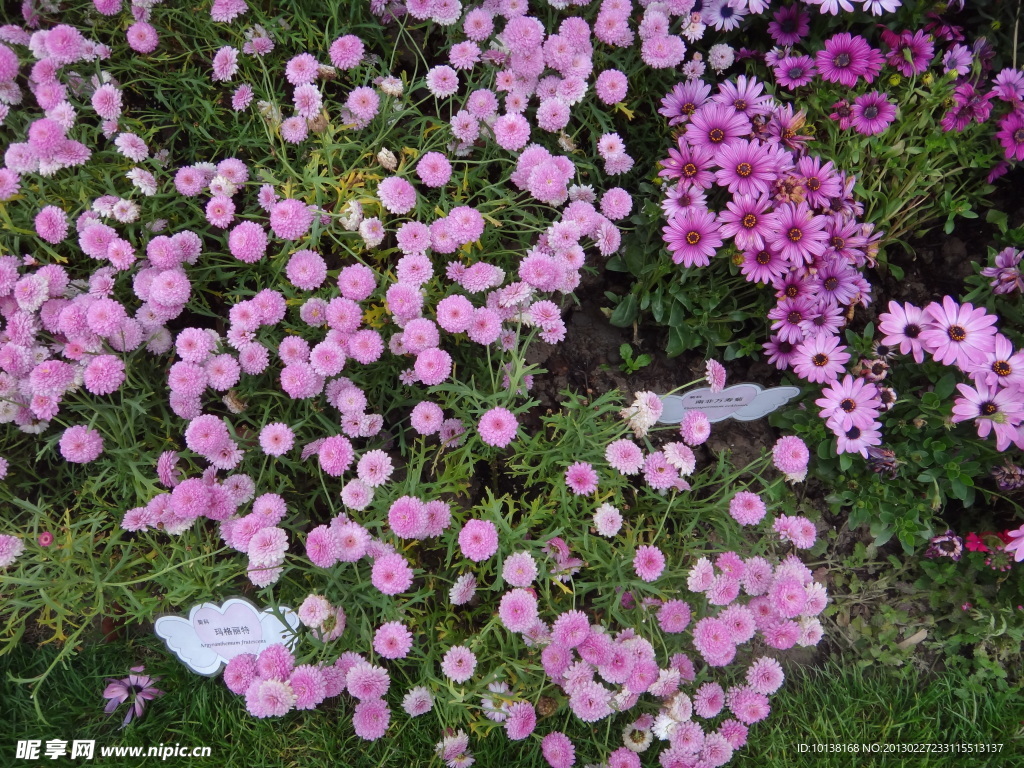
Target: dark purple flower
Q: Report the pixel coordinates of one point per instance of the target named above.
(789, 25)
(912, 53)
(947, 545)
(845, 58)
(872, 113)
(795, 71)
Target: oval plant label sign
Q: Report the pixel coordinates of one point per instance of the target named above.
(214, 634)
(743, 402)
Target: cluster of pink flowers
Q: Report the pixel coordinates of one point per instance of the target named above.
(951, 333)
(784, 603)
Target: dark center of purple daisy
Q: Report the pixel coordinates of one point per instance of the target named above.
(794, 317)
(693, 237)
(831, 283)
(763, 257)
(795, 234)
(956, 333)
(792, 291)
(813, 183)
(716, 135)
(849, 405)
(688, 108)
(871, 111)
(853, 433)
(750, 221)
(1018, 136)
(690, 170)
(912, 331)
(744, 169)
(785, 347)
(838, 243)
(988, 408)
(1001, 368)
(740, 104)
(796, 72)
(726, 11)
(819, 321)
(879, 368)
(820, 359)
(841, 60)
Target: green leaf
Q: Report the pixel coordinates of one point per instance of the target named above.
(626, 313)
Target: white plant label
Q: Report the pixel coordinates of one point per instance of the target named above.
(214, 634)
(743, 402)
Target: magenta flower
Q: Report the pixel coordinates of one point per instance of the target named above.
(799, 235)
(748, 167)
(795, 71)
(958, 334)
(692, 237)
(912, 53)
(136, 689)
(1011, 135)
(690, 164)
(749, 221)
(872, 113)
(478, 539)
(716, 125)
(789, 25)
(845, 58)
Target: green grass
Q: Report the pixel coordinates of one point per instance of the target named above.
(834, 705)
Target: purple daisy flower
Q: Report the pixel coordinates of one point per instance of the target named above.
(993, 409)
(692, 238)
(820, 180)
(1003, 367)
(789, 25)
(872, 113)
(912, 53)
(844, 239)
(716, 125)
(820, 359)
(800, 235)
(795, 71)
(136, 689)
(1011, 135)
(959, 334)
(849, 403)
(748, 220)
(748, 167)
(844, 59)
(835, 282)
(745, 96)
(684, 100)
(762, 265)
(903, 326)
(788, 314)
(690, 164)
